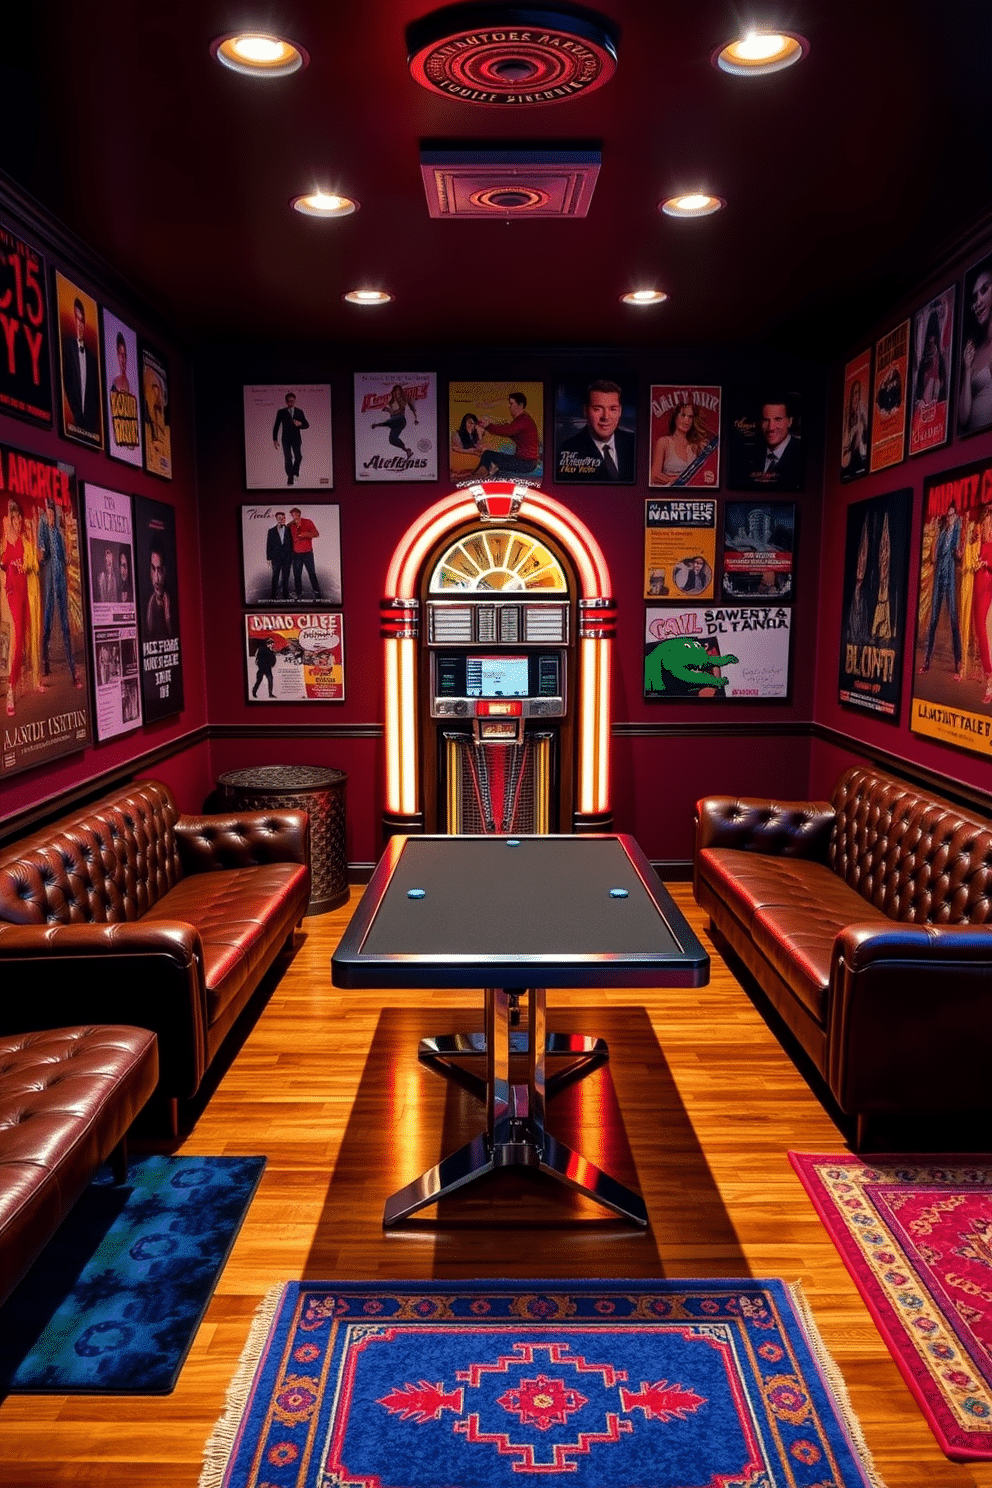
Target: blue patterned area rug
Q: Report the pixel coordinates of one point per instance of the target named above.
(114, 1301)
(662, 1384)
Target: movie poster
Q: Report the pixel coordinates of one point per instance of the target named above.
(685, 436)
(717, 653)
(113, 610)
(395, 426)
(930, 379)
(120, 360)
(155, 413)
(759, 551)
(496, 431)
(679, 547)
(855, 418)
(158, 608)
(288, 436)
(25, 351)
(596, 432)
(42, 635)
(873, 625)
(295, 656)
(81, 401)
(764, 439)
(890, 396)
(952, 672)
(291, 554)
(975, 369)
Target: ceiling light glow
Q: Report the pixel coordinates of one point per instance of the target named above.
(255, 54)
(692, 204)
(324, 204)
(368, 297)
(760, 52)
(644, 297)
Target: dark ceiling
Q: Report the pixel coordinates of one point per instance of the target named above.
(844, 175)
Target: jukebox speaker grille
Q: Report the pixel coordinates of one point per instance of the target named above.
(494, 788)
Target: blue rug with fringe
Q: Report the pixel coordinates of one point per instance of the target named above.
(659, 1384)
(114, 1301)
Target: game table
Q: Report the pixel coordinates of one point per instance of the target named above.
(514, 915)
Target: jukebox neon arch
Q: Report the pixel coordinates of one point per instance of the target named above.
(498, 619)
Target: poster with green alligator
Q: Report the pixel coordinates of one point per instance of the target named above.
(739, 652)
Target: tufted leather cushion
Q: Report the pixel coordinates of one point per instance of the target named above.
(67, 1099)
(916, 858)
(111, 863)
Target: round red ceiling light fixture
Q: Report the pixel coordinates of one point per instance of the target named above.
(511, 55)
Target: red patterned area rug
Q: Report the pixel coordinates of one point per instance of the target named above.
(663, 1384)
(916, 1235)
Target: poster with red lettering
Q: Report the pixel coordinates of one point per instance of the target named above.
(930, 398)
(685, 436)
(952, 679)
(42, 641)
(890, 398)
(25, 350)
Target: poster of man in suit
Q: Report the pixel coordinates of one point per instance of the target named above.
(595, 432)
(288, 436)
(267, 548)
(765, 444)
(81, 403)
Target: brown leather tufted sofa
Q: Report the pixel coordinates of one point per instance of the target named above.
(130, 913)
(67, 1099)
(867, 922)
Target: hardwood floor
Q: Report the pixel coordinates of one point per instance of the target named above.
(698, 1107)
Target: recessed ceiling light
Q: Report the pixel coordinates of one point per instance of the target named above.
(324, 204)
(644, 297)
(691, 204)
(759, 52)
(368, 297)
(258, 55)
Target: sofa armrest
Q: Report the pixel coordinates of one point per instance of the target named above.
(789, 829)
(242, 839)
(150, 976)
(910, 1017)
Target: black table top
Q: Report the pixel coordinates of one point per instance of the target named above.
(517, 912)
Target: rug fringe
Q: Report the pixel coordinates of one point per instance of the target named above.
(220, 1443)
(831, 1373)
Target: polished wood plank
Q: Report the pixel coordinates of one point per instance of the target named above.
(697, 1107)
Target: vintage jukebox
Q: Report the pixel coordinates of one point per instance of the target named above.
(497, 633)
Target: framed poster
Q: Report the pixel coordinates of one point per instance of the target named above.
(288, 436)
(685, 436)
(81, 401)
(42, 642)
(889, 400)
(295, 657)
(679, 547)
(975, 375)
(113, 610)
(156, 414)
(158, 608)
(395, 426)
(291, 554)
(120, 359)
(930, 378)
(765, 446)
(25, 347)
(716, 653)
(596, 432)
(952, 678)
(496, 430)
(876, 570)
(759, 550)
(855, 418)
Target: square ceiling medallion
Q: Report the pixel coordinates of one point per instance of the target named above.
(509, 183)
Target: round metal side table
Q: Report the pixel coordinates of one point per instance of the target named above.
(318, 792)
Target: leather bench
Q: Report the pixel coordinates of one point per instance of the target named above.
(128, 912)
(67, 1099)
(866, 920)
